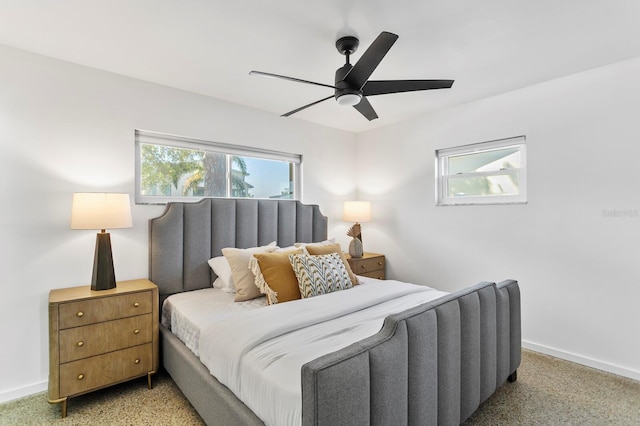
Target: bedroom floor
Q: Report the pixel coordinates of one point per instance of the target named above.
(549, 391)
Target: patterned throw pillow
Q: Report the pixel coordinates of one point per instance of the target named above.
(320, 274)
(316, 249)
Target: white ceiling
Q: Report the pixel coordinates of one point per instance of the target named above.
(209, 46)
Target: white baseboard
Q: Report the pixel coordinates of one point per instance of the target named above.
(579, 359)
(18, 393)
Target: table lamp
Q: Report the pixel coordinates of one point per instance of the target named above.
(356, 211)
(95, 210)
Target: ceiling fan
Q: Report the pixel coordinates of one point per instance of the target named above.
(352, 84)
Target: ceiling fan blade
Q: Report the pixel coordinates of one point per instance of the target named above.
(305, 107)
(365, 108)
(284, 77)
(370, 59)
(396, 86)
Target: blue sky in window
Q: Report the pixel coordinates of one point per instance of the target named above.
(268, 177)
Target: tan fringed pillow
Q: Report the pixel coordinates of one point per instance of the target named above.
(243, 278)
(275, 276)
(333, 248)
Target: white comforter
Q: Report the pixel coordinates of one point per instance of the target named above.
(185, 314)
(259, 354)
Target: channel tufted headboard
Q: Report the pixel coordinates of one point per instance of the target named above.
(187, 235)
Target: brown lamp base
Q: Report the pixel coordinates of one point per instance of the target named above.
(103, 276)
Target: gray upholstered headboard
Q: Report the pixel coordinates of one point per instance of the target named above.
(186, 235)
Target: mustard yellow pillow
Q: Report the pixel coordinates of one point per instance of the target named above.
(333, 248)
(275, 276)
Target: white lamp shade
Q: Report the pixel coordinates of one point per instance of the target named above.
(356, 211)
(100, 210)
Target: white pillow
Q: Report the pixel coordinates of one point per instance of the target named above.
(220, 266)
(218, 283)
(284, 249)
(321, 243)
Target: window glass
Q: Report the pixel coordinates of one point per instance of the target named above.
(261, 178)
(173, 168)
(481, 186)
(484, 173)
(485, 161)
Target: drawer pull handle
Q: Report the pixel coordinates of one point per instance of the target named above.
(80, 314)
(364, 266)
(80, 344)
(136, 304)
(380, 263)
(80, 376)
(136, 331)
(137, 361)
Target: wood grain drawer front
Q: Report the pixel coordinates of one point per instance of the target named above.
(89, 340)
(102, 370)
(85, 312)
(379, 274)
(366, 265)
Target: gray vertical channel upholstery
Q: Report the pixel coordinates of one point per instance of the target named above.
(515, 324)
(196, 245)
(187, 235)
(430, 365)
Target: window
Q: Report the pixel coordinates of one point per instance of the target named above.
(484, 173)
(175, 168)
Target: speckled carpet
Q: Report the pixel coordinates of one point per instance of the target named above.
(549, 391)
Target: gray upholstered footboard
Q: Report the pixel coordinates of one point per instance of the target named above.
(430, 365)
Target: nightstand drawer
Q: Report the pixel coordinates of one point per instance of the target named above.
(104, 309)
(102, 370)
(89, 340)
(366, 265)
(379, 274)
(369, 265)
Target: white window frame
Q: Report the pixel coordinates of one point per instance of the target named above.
(155, 138)
(442, 173)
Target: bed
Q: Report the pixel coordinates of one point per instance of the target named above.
(434, 363)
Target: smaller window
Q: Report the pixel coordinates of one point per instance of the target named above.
(483, 173)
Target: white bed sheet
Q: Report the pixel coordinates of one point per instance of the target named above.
(258, 354)
(185, 314)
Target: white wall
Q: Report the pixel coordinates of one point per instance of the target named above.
(65, 128)
(579, 270)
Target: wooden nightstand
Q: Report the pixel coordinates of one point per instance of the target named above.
(100, 338)
(369, 265)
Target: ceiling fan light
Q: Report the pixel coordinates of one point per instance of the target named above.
(349, 99)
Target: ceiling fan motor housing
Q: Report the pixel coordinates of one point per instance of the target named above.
(342, 88)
